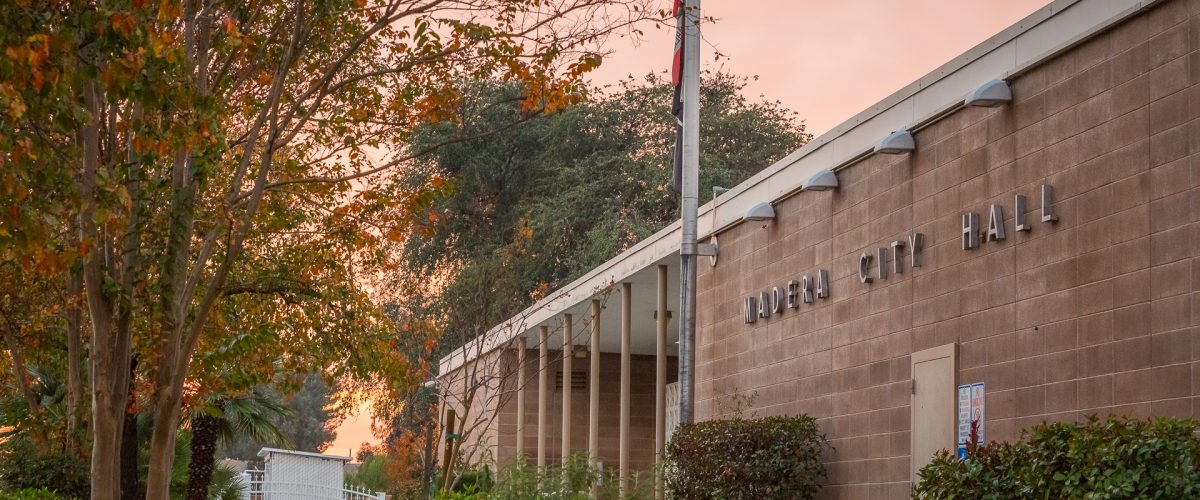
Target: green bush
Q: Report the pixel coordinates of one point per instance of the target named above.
(763, 458)
(23, 468)
(30, 494)
(572, 481)
(1115, 458)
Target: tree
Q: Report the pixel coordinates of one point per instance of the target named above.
(553, 199)
(182, 140)
(310, 424)
(226, 418)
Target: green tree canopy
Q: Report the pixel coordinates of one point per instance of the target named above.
(527, 210)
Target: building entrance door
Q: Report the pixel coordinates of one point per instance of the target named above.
(933, 393)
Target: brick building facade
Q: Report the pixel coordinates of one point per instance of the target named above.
(1093, 312)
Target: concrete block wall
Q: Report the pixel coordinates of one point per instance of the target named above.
(1095, 314)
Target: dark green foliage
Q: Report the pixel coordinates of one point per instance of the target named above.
(306, 424)
(22, 467)
(763, 458)
(30, 494)
(1115, 458)
(535, 206)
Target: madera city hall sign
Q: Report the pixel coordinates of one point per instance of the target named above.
(816, 286)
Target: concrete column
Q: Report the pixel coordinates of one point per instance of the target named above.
(543, 362)
(660, 380)
(626, 327)
(594, 387)
(522, 345)
(568, 344)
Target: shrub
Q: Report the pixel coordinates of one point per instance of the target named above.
(1115, 458)
(572, 481)
(23, 468)
(764, 458)
(30, 494)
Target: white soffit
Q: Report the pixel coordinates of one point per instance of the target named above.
(1039, 36)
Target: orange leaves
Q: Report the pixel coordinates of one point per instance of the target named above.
(169, 10)
(230, 24)
(16, 105)
(35, 53)
(164, 44)
(123, 23)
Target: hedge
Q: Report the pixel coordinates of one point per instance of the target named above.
(1115, 458)
(764, 458)
(22, 468)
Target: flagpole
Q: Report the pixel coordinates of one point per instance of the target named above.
(689, 200)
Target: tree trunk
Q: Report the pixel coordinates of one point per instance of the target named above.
(110, 342)
(74, 317)
(205, 430)
(162, 444)
(131, 488)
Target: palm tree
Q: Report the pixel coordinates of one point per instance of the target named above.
(225, 418)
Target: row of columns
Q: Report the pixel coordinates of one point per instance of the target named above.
(662, 319)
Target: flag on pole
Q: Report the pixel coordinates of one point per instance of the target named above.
(677, 101)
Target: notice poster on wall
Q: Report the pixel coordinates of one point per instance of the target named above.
(970, 409)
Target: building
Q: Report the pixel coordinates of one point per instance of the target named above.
(944, 256)
(290, 474)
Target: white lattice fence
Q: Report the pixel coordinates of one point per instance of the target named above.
(672, 409)
(254, 487)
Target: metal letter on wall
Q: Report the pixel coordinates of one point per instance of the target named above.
(1048, 214)
(897, 260)
(916, 244)
(751, 311)
(970, 229)
(793, 294)
(806, 288)
(822, 284)
(1019, 207)
(764, 305)
(883, 259)
(776, 300)
(995, 230)
(864, 267)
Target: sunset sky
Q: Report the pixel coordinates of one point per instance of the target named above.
(827, 60)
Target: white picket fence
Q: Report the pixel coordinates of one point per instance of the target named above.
(255, 486)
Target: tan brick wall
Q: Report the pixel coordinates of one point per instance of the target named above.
(1097, 313)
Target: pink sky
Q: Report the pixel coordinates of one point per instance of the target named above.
(827, 60)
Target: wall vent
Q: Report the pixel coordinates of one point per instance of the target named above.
(579, 380)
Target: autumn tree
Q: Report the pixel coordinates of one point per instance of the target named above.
(167, 147)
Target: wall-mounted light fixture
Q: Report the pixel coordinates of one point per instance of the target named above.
(718, 191)
(990, 94)
(898, 142)
(760, 212)
(821, 181)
